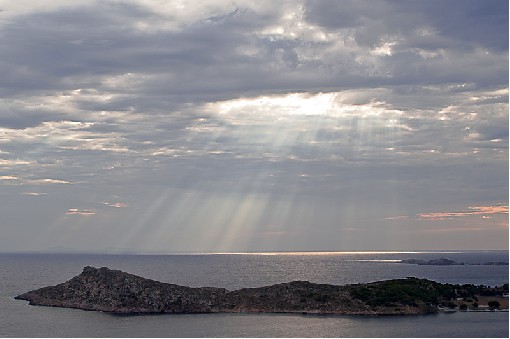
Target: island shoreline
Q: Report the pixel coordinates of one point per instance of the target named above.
(121, 293)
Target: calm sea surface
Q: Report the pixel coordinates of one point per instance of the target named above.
(24, 272)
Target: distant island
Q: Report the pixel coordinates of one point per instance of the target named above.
(103, 289)
(445, 262)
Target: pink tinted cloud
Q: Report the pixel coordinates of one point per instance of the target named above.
(473, 210)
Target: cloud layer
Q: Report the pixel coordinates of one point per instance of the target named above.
(220, 125)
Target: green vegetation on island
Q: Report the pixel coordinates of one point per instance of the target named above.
(413, 291)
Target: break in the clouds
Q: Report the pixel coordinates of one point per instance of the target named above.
(253, 126)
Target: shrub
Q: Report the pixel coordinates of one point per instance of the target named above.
(493, 304)
(451, 305)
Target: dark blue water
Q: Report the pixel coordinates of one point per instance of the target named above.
(23, 272)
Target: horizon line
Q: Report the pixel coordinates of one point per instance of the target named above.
(266, 253)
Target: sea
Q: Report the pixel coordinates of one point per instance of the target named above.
(23, 272)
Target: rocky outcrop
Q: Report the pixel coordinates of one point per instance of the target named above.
(103, 289)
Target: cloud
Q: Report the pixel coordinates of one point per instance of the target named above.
(114, 204)
(225, 49)
(428, 25)
(48, 181)
(9, 177)
(398, 217)
(474, 210)
(14, 180)
(12, 162)
(339, 109)
(75, 211)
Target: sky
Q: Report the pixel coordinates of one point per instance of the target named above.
(237, 126)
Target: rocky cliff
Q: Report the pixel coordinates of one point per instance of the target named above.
(103, 289)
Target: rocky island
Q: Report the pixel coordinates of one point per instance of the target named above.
(437, 262)
(446, 262)
(103, 289)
